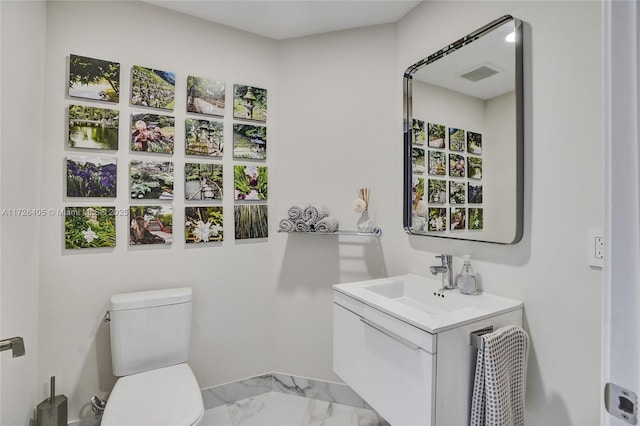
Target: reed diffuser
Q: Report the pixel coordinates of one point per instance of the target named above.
(361, 205)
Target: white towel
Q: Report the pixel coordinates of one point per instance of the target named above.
(313, 213)
(286, 225)
(327, 225)
(295, 212)
(301, 226)
(501, 371)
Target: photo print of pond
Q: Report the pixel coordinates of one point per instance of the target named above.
(202, 181)
(436, 135)
(250, 183)
(456, 139)
(94, 128)
(205, 96)
(251, 221)
(152, 133)
(150, 225)
(152, 180)
(89, 227)
(96, 79)
(203, 137)
(89, 176)
(249, 141)
(249, 103)
(458, 217)
(203, 224)
(418, 134)
(152, 88)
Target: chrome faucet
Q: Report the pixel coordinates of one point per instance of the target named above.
(446, 270)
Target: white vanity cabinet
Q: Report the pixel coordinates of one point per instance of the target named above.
(411, 375)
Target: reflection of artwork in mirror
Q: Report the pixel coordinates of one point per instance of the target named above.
(437, 219)
(250, 183)
(475, 168)
(152, 133)
(152, 180)
(249, 103)
(203, 224)
(205, 96)
(152, 88)
(249, 141)
(417, 160)
(436, 135)
(474, 143)
(251, 221)
(437, 163)
(475, 218)
(437, 191)
(456, 192)
(92, 78)
(456, 139)
(417, 188)
(95, 128)
(456, 165)
(203, 137)
(89, 227)
(150, 225)
(91, 176)
(202, 181)
(418, 132)
(475, 193)
(458, 217)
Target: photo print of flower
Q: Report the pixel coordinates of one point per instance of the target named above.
(152, 133)
(456, 139)
(456, 165)
(437, 219)
(150, 225)
(249, 141)
(250, 182)
(91, 176)
(89, 227)
(152, 180)
(417, 160)
(202, 181)
(437, 163)
(94, 128)
(251, 221)
(152, 88)
(458, 218)
(249, 103)
(205, 96)
(203, 224)
(475, 218)
(475, 168)
(436, 135)
(474, 143)
(203, 137)
(437, 191)
(475, 193)
(456, 192)
(418, 135)
(96, 79)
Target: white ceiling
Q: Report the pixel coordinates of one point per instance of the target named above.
(283, 19)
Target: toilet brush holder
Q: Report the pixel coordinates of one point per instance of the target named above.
(53, 410)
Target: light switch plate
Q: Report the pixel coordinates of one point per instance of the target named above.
(595, 247)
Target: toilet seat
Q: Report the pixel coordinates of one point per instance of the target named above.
(168, 396)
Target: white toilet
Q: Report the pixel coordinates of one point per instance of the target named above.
(150, 340)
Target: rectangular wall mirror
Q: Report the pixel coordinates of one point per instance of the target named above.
(464, 138)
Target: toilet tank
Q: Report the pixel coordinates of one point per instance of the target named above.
(150, 329)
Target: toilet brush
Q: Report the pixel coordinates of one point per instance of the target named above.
(53, 410)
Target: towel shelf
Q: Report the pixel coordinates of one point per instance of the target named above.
(475, 337)
(377, 232)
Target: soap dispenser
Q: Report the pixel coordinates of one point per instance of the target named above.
(467, 279)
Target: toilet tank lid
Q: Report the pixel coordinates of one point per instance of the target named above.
(146, 299)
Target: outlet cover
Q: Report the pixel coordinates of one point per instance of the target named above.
(595, 247)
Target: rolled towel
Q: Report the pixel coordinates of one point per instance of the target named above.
(301, 226)
(287, 225)
(295, 212)
(313, 213)
(327, 225)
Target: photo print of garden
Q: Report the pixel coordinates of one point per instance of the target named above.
(475, 219)
(418, 134)
(456, 165)
(91, 176)
(91, 78)
(249, 141)
(202, 181)
(475, 193)
(417, 160)
(437, 219)
(251, 221)
(205, 96)
(474, 143)
(437, 163)
(152, 88)
(89, 227)
(203, 137)
(203, 224)
(249, 103)
(475, 168)
(456, 192)
(152, 133)
(456, 139)
(436, 135)
(437, 191)
(150, 225)
(94, 128)
(458, 218)
(250, 182)
(152, 180)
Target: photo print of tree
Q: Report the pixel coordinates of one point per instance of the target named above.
(436, 135)
(249, 141)
(203, 224)
(249, 103)
(418, 134)
(93, 128)
(475, 168)
(152, 88)
(203, 137)
(456, 139)
(202, 181)
(152, 133)
(152, 180)
(437, 219)
(250, 183)
(475, 193)
(437, 163)
(91, 176)
(475, 219)
(417, 160)
(456, 192)
(251, 221)
(456, 165)
(89, 227)
(96, 79)
(474, 143)
(458, 218)
(205, 96)
(437, 191)
(150, 225)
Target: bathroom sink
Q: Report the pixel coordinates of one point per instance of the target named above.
(420, 302)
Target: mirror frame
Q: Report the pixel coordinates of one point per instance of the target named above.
(408, 128)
